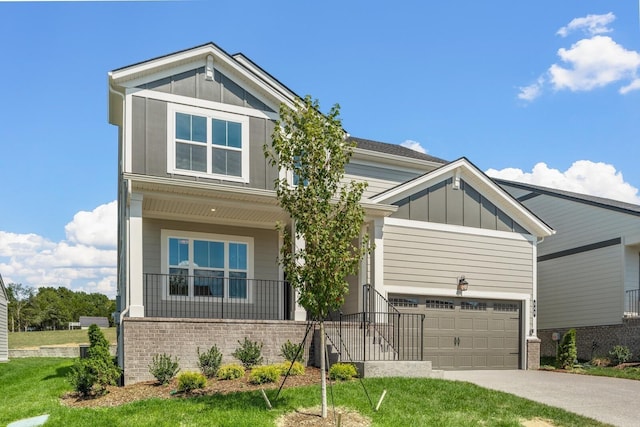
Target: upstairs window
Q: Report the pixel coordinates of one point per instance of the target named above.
(208, 143)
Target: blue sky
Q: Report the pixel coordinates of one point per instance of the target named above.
(541, 91)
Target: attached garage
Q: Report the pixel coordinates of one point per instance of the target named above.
(467, 333)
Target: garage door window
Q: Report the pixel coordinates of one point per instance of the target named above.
(505, 307)
(473, 305)
(441, 304)
(404, 302)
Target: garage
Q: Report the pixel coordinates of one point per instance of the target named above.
(467, 333)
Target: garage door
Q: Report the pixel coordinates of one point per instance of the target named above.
(464, 333)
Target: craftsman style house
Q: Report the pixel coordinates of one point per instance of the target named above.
(198, 247)
(589, 272)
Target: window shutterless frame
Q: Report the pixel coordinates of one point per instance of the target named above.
(207, 143)
(207, 267)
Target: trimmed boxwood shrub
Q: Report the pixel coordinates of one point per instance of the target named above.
(264, 374)
(342, 371)
(230, 372)
(188, 381)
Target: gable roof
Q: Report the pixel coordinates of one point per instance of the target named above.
(394, 149)
(601, 202)
(463, 168)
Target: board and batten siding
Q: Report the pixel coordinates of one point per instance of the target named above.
(265, 249)
(149, 136)
(434, 259)
(583, 289)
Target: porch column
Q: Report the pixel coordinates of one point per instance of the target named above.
(377, 258)
(135, 279)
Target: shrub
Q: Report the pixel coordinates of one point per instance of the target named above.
(209, 361)
(296, 369)
(249, 353)
(98, 371)
(188, 381)
(620, 354)
(230, 372)
(342, 371)
(264, 374)
(81, 378)
(291, 352)
(163, 368)
(567, 352)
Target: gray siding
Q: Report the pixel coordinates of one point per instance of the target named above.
(4, 333)
(265, 244)
(193, 84)
(434, 259)
(149, 145)
(379, 178)
(581, 290)
(585, 288)
(466, 206)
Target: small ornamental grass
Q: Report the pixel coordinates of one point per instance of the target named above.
(296, 369)
(209, 361)
(264, 374)
(188, 381)
(163, 368)
(342, 372)
(231, 371)
(249, 353)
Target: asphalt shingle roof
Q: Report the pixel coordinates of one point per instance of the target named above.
(396, 150)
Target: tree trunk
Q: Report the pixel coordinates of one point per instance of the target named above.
(323, 370)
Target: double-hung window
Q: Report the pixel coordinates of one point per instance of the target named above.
(208, 143)
(207, 266)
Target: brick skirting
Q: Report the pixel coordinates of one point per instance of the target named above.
(594, 341)
(145, 337)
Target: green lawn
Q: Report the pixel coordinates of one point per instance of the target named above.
(31, 387)
(40, 338)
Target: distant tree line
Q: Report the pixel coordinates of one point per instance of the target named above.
(53, 308)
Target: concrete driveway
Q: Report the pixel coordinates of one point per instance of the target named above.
(610, 400)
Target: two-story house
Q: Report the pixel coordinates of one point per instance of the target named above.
(197, 248)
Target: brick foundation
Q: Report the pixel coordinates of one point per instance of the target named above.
(144, 337)
(533, 353)
(594, 341)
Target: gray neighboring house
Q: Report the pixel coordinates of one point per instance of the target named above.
(589, 271)
(4, 328)
(197, 246)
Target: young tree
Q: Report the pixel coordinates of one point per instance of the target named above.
(20, 298)
(326, 214)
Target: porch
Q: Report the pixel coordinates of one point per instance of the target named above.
(632, 303)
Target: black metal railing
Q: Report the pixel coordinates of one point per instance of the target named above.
(378, 332)
(377, 336)
(181, 296)
(632, 303)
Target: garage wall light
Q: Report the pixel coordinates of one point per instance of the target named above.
(463, 285)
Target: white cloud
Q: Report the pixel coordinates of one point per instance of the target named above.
(85, 261)
(531, 92)
(414, 145)
(591, 24)
(593, 63)
(589, 63)
(95, 228)
(584, 176)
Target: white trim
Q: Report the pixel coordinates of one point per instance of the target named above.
(202, 103)
(394, 158)
(172, 109)
(165, 234)
(127, 137)
(168, 72)
(459, 229)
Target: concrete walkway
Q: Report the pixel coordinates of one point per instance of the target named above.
(610, 400)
